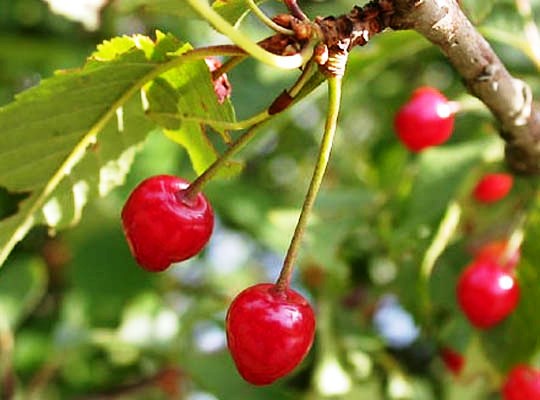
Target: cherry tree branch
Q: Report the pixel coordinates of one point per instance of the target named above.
(444, 24)
(510, 100)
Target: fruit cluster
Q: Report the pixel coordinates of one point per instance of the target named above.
(487, 289)
(270, 327)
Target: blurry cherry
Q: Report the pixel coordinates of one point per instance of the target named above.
(426, 120)
(487, 293)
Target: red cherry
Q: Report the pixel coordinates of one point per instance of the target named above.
(493, 187)
(222, 86)
(522, 383)
(495, 251)
(269, 332)
(487, 293)
(163, 227)
(453, 360)
(427, 119)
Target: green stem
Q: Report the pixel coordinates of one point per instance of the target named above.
(334, 98)
(197, 185)
(295, 10)
(233, 126)
(223, 26)
(516, 238)
(254, 123)
(267, 21)
(444, 234)
(308, 71)
(227, 66)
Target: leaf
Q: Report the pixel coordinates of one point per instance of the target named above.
(181, 100)
(442, 171)
(74, 136)
(23, 284)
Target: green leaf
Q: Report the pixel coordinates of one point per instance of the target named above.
(74, 136)
(23, 284)
(442, 171)
(181, 100)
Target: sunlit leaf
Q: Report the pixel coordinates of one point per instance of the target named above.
(74, 136)
(181, 100)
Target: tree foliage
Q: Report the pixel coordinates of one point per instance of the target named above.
(389, 229)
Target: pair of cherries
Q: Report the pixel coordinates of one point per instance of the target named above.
(269, 329)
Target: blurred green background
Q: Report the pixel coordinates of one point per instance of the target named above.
(80, 320)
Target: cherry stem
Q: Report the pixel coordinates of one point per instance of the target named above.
(295, 9)
(515, 240)
(267, 21)
(254, 122)
(248, 45)
(307, 73)
(196, 186)
(444, 234)
(227, 66)
(216, 124)
(334, 99)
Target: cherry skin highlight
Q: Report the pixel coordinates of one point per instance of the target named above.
(493, 187)
(163, 227)
(269, 332)
(487, 293)
(522, 382)
(426, 120)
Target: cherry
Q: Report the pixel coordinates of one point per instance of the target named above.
(487, 293)
(522, 383)
(163, 227)
(493, 187)
(426, 120)
(453, 360)
(269, 332)
(496, 251)
(222, 86)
